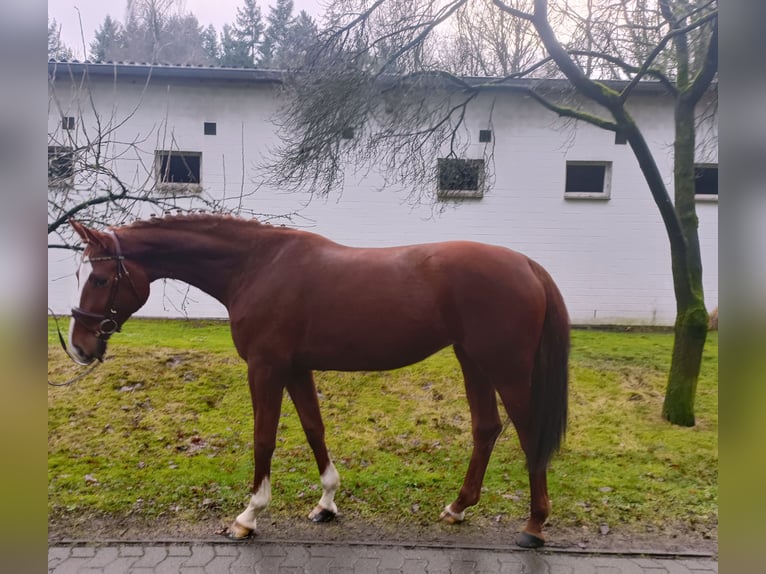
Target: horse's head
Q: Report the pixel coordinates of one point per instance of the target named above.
(111, 289)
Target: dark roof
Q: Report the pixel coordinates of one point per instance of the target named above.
(73, 68)
(65, 69)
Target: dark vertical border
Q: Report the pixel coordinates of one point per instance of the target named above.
(742, 256)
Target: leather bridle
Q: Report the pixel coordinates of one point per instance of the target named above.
(104, 325)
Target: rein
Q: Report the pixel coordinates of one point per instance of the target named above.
(106, 324)
(69, 354)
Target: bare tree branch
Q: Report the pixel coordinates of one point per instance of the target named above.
(596, 91)
(645, 67)
(512, 11)
(705, 76)
(568, 112)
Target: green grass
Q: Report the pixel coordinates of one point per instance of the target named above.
(164, 428)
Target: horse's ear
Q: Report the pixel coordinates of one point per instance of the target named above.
(88, 235)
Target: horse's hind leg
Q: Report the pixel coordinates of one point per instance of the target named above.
(485, 427)
(516, 400)
(266, 387)
(304, 396)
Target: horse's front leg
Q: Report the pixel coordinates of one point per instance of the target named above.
(303, 393)
(266, 386)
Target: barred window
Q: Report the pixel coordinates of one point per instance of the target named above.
(460, 178)
(60, 166)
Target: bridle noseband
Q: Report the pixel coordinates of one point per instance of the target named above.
(103, 326)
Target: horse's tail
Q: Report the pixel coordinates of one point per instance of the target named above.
(550, 378)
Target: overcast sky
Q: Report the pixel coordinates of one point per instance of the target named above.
(92, 13)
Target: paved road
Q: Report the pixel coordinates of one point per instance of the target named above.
(294, 558)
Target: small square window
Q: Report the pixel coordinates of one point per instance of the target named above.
(588, 179)
(460, 178)
(485, 136)
(178, 170)
(210, 128)
(347, 133)
(620, 138)
(67, 122)
(60, 166)
(706, 182)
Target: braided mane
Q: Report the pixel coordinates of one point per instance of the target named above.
(202, 219)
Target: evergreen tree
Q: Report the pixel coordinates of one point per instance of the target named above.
(301, 34)
(275, 38)
(57, 50)
(249, 28)
(107, 42)
(182, 41)
(234, 53)
(137, 41)
(210, 45)
(156, 32)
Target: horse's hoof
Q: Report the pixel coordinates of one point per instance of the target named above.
(320, 514)
(236, 532)
(527, 540)
(452, 517)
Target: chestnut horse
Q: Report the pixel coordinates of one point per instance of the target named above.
(299, 302)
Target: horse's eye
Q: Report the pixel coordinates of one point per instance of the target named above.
(98, 281)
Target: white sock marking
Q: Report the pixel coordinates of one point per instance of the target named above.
(258, 502)
(459, 516)
(330, 480)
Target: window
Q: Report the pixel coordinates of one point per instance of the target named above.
(485, 136)
(588, 179)
(67, 122)
(347, 133)
(209, 128)
(706, 182)
(60, 166)
(460, 178)
(178, 170)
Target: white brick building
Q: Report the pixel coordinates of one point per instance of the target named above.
(607, 250)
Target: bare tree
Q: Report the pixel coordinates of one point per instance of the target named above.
(488, 42)
(374, 73)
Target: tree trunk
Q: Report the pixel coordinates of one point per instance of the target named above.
(690, 335)
(692, 318)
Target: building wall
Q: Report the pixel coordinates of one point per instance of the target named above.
(609, 257)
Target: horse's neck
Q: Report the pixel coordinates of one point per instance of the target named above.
(203, 259)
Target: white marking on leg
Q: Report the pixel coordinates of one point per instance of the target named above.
(457, 516)
(258, 503)
(330, 480)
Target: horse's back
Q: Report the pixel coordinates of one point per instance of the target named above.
(344, 308)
